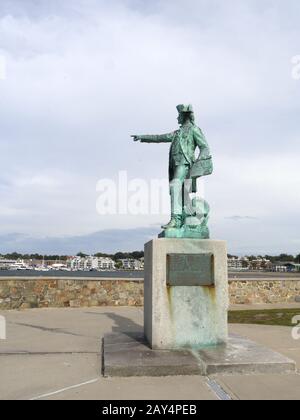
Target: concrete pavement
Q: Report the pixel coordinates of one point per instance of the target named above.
(55, 354)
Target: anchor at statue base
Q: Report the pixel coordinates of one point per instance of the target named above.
(194, 222)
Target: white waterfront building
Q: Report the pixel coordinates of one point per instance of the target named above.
(91, 263)
(131, 264)
(6, 264)
(238, 263)
(104, 263)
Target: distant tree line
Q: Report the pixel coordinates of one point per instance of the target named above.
(17, 256)
(273, 258)
(136, 255)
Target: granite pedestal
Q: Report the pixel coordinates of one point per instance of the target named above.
(186, 303)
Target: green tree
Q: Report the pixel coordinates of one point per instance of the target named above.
(286, 257)
(101, 255)
(121, 256)
(245, 264)
(118, 265)
(13, 256)
(137, 255)
(81, 254)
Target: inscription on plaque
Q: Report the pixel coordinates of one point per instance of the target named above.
(190, 270)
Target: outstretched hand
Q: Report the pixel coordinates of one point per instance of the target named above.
(136, 138)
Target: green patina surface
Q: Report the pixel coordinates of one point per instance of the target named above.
(189, 217)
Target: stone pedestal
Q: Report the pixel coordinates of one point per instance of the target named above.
(128, 354)
(186, 303)
(187, 308)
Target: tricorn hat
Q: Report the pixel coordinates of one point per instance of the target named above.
(185, 108)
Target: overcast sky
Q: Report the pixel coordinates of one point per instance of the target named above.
(81, 76)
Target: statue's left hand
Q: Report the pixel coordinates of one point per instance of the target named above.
(136, 138)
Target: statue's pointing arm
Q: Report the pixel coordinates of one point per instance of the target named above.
(201, 143)
(163, 138)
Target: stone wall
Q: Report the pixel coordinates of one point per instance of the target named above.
(24, 293)
(264, 291)
(60, 292)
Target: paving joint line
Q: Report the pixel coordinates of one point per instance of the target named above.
(218, 390)
(60, 391)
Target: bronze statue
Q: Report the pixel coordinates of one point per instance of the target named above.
(188, 217)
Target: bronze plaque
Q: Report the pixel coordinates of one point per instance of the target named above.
(190, 270)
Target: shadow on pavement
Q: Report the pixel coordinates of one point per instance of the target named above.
(126, 326)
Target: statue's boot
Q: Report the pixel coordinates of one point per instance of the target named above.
(175, 222)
